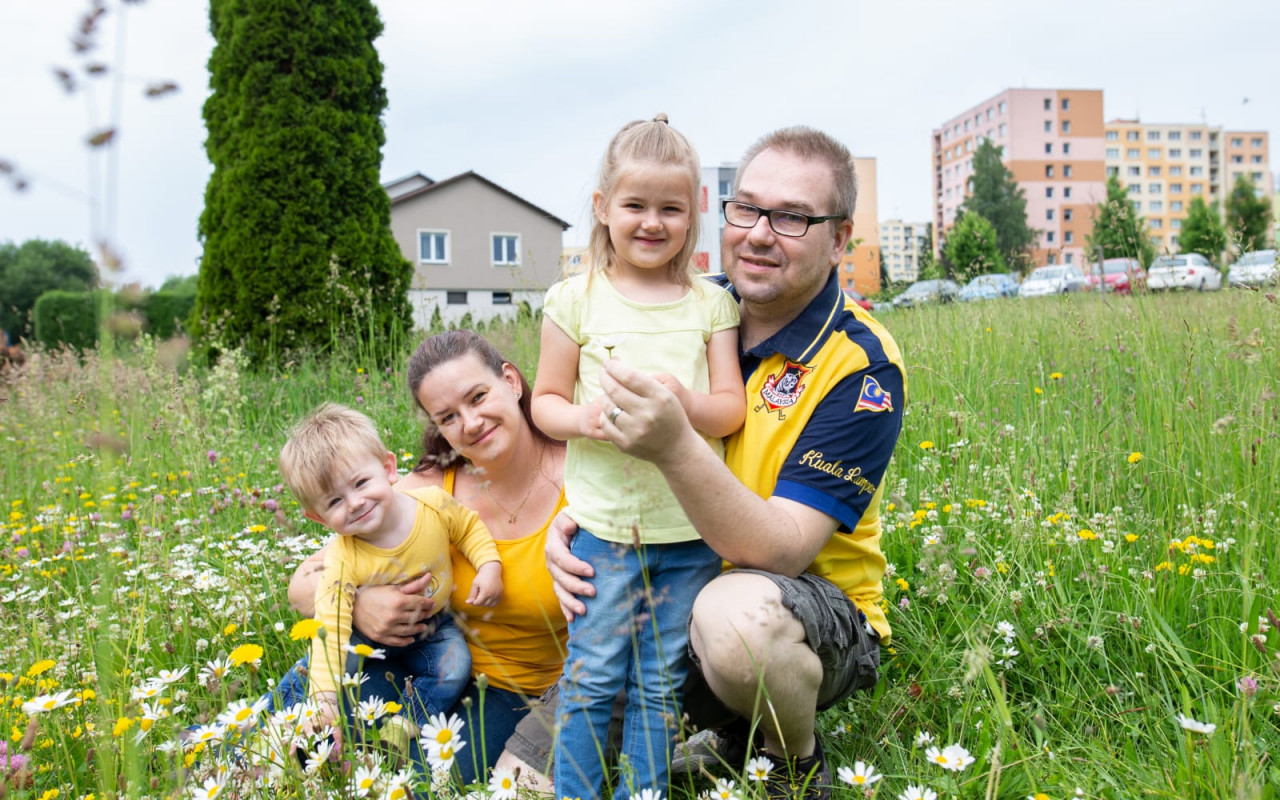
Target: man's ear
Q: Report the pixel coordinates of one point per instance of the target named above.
(844, 232)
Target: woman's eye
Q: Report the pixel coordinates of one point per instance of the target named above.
(479, 397)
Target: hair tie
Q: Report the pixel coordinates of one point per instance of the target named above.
(661, 118)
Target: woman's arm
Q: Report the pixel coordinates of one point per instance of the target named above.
(721, 411)
(553, 407)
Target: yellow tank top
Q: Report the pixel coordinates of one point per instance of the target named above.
(519, 643)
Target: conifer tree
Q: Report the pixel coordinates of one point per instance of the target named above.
(298, 251)
(997, 198)
(1248, 216)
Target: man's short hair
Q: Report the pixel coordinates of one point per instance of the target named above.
(326, 441)
(809, 143)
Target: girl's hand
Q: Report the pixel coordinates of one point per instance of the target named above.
(590, 420)
(486, 589)
(677, 388)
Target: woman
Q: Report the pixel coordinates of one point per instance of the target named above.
(482, 447)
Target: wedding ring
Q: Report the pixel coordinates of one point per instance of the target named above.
(613, 415)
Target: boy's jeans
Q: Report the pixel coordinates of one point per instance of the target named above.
(635, 634)
(439, 662)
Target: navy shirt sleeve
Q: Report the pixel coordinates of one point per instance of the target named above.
(841, 456)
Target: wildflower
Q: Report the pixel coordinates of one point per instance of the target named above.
(1189, 724)
(215, 670)
(169, 677)
(862, 774)
(926, 445)
(952, 757)
(758, 768)
(1005, 629)
(1248, 686)
(914, 792)
(41, 667)
(502, 784)
(923, 738)
(724, 790)
(441, 756)
(371, 710)
(48, 702)
(317, 757)
(1055, 376)
(439, 732)
(1038, 391)
(207, 791)
(365, 651)
(305, 629)
(643, 794)
(149, 690)
(1087, 534)
(1038, 796)
(242, 713)
(246, 654)
(205, 734)
(1135, 457)
(230, 629)
(365, 778)
(350, 681)
(122, 724)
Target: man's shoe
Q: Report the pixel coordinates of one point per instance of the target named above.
(800, 778)
(709, 748)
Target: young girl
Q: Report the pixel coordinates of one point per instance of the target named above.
(640, 304)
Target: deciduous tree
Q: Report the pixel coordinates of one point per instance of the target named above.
(33, 268)
(1118, 229)
(973, 248)
(1248, 216)
(1203, 232)
(298, 250)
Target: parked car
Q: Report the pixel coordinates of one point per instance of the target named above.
(858, 298)
(1184, 271)
(1119, 275)
(1053, 279)
(1254, 269)
(936, 291)
(988, 287)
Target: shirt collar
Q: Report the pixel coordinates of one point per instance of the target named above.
(801, 338)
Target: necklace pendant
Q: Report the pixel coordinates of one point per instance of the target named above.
(511, 519)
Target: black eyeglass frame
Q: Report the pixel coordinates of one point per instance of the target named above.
(768, 213)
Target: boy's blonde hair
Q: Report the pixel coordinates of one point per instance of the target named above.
(326, 441)
(652, 143)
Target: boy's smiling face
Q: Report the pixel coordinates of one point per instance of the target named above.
(361, 501)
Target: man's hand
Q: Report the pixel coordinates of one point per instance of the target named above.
(567, 571)
(393, 615)
(486, 589)
(652, 424)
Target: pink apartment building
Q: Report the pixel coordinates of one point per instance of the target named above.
(1053, 143)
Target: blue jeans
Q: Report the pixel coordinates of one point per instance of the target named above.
(438, 665)
(635, 634)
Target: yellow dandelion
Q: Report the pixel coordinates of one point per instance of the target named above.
(123, 724)
(246, 654)
(1087, 534)
(1131, 537)
(1055, 376)
(230, 629)
(1039, 390)
(41, 667)
(305, 629)
(1135, 457)
(926, 445)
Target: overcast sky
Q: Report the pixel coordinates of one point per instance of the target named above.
(528, 93)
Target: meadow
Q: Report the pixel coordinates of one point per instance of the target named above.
(1082, 526)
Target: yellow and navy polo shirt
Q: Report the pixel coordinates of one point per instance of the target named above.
(824, 409)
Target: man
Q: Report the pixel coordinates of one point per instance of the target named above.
(796, 626)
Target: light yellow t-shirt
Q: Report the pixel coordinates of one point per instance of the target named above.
(519, 643)
(351, 562)
(615, 497)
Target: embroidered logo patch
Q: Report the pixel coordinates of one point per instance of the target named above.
(783, 390)
(873, 398)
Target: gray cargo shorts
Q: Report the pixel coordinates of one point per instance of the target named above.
(845, 643)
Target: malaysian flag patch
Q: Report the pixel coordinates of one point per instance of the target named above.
(873, 398)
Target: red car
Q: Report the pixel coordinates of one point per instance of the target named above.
(1119, 275)
(859, 299)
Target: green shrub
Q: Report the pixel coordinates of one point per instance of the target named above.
(67, 318)
(165, 311)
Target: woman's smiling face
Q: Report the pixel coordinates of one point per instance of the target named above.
(476, 411)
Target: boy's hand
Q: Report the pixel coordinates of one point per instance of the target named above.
(326, 718)
(486, 589)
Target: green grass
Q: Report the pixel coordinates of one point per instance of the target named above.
(145, 529)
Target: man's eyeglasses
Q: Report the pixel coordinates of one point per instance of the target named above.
(783, 223)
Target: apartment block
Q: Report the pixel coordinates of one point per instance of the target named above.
(859, 268)
(901, 245)
(1164, 166)
(1052, 142)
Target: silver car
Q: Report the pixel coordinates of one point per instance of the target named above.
(1053, 279)
(1254, 269)
(1185, 271)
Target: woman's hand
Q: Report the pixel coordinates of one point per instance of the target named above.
(567, 571)
(393, 615)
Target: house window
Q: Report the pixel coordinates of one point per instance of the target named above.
(966, 126)
(990, 112)
(502, 298)
(1197, 172)
(1113, 172)
(1237, 159)
(1048, 147)
(1066, 191)
(1048, 104)
(1255, 141)
(1173, 241)
(1052, 258)
(1113, 152)
(1133, 153)
(1066, 126)
(1175, 152)
(506, 249)
(1175, 205)
(1153, 153)
(1066, 148)
(1196, 152)
(456, 298)
(1135, 188)
(1176, 224)
(1154, 188)
(1197, 188)
(1175, 171)
(1048, 214)
(1195, 136)
(1175, 136)
(1255, 159)
(1153, 136)
(1153, 172)
(1155, 223)
(433, 247)
(1002, 106)
(1113, 135)
(1256, 177)
(1155, 206)
(1066, 171)
(1066, 104)
(1131, 136)
(1048, 126)
(1237, 141)
(1066, 215)
(1068, 238)
(1048, 191)
(1003, 127)
(1070, 258)
(1048, 237)
(1048, 170)
(1175, 188)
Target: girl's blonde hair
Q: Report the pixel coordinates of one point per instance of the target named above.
(652, 143)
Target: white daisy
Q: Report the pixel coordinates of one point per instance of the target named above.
(862, 774)
(502, 784)
(758, 768)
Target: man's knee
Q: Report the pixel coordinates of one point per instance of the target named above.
(738, 622)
